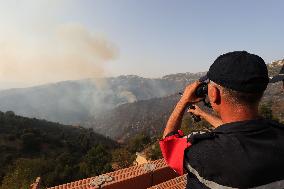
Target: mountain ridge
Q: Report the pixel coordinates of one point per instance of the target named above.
(83, 101)
(72, 102)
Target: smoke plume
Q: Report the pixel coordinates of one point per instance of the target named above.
(70, 52)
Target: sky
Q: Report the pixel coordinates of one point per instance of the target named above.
(43, 41)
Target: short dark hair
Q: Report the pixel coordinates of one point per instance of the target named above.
(242, 98)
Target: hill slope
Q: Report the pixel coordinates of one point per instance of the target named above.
(150, 116)
(124, 121)
(58, 153)
(72, 102)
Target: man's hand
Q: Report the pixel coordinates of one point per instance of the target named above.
(213, 120)
(189, 93)
(196, 111)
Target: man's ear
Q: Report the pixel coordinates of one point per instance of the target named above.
(215, 95)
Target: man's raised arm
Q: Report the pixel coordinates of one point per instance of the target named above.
(174, 122)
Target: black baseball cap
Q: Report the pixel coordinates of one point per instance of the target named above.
(240, 71)
(279, 77)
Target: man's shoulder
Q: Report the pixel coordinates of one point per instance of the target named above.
(229, 140)
(203, 146)
(198, 137)
(228, 136)
(222, 156)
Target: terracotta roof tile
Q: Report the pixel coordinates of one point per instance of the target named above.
(135, 176)
(176, 183)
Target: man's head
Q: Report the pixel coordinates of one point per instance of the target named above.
(237, 79)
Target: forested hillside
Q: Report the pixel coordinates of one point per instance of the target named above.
(57, 153)
(31, 148)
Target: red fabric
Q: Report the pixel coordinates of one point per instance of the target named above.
(172, 148)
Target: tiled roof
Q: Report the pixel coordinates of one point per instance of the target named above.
(138, 177)
(176, 183)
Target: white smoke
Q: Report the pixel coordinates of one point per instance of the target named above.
(72, 52)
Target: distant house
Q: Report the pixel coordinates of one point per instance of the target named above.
(141, 158)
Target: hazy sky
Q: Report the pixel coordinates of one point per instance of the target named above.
(51, 40)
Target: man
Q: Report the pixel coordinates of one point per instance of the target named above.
(245, 151)
(279, 77)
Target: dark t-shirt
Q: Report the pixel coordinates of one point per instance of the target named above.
(243, 154)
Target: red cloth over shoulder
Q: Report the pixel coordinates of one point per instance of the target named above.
(172, 148)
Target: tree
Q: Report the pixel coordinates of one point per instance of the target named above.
(23, 173)
(122, 158)
(96, 161)
(31, 142)
(138, 143)
(10, 113)
(155, 151)
(266, 111)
